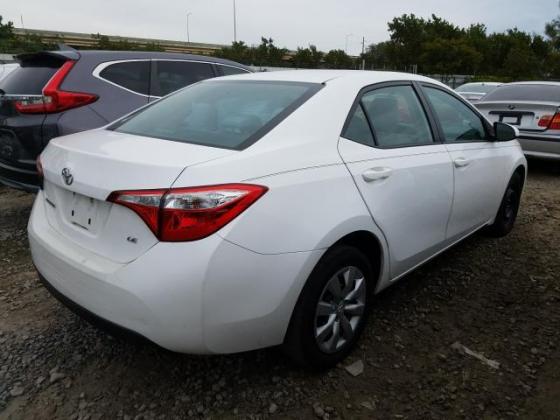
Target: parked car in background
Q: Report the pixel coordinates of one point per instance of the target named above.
(62, 92)
(474, 92)
(267, 209)
(534, 108)
(7, 68)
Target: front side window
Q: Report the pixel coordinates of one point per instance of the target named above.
(397, 117)
(174, 75)
(132, 75)
(219, 113)
(458, 121)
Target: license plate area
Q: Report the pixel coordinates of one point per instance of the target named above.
(511, 119)
(82, 212)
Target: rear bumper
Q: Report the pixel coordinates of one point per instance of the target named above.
(92, 318)
(203, 297)
(541, 146)
(26, 179)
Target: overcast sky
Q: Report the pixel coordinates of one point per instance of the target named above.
(291, 23)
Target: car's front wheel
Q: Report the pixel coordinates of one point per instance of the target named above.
(332, 309)
(507, 213)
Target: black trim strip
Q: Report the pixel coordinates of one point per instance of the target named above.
(549, 139)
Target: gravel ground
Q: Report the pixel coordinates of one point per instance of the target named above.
(499, 298)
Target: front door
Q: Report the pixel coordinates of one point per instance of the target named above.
(479, 163)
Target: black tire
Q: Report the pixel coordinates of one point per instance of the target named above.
(507, 213)
(300, 343)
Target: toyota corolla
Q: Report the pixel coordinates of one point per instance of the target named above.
(268, 209)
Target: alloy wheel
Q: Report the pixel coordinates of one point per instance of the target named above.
(340, 309)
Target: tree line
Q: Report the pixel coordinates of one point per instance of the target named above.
(428, 46)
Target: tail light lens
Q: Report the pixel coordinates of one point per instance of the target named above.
(189, 214)
(54, 99)
(550, 122)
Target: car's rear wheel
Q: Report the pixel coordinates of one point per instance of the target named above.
(507, 213)
(332, 309)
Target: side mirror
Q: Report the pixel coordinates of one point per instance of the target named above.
(505, 132)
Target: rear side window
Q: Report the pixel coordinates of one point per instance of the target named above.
(358, 128)
(397, 117)
(30, 78)
(174, 75)
(533, 92)
(226, 114)
(132, 75)
(229, 71)
(458, 121)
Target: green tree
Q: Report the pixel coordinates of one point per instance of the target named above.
(308, 58)
(268, 54)
(238, 51)
(10, 43)
(552, 30)
(338, 59)
(377, 56)
(450, 56)
(103, 42)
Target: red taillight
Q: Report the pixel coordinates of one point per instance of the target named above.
(551, 122)
(54, 99)
(188, 214)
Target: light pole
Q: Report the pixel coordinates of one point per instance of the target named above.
(234, 22)
(346, 42)
(188, 35)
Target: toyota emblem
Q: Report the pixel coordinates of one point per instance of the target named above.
(67, 176)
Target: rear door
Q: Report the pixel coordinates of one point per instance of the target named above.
(479, 163)
(404, 176)
(171, 75)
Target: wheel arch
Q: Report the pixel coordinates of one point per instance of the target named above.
(370, 245)
(520, 170)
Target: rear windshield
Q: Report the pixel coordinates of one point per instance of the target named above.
(545, 93)
(30, 78)
(225, 114)
(476, 87)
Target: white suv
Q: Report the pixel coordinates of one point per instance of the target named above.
(266, 209)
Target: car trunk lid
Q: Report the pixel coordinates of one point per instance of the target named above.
(525, 115)
(81, 171)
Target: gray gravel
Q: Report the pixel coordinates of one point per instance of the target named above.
(498, 298)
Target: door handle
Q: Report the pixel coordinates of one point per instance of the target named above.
(461, 162)
(375, 174)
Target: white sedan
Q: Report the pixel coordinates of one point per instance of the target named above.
(268, 209)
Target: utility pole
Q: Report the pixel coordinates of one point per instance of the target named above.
(346, 42)
(234, 22)
(363, 53)
(188, 35)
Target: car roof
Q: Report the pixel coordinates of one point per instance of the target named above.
(482, 84)
(102, 55)
(533, 82)
(360, 77)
